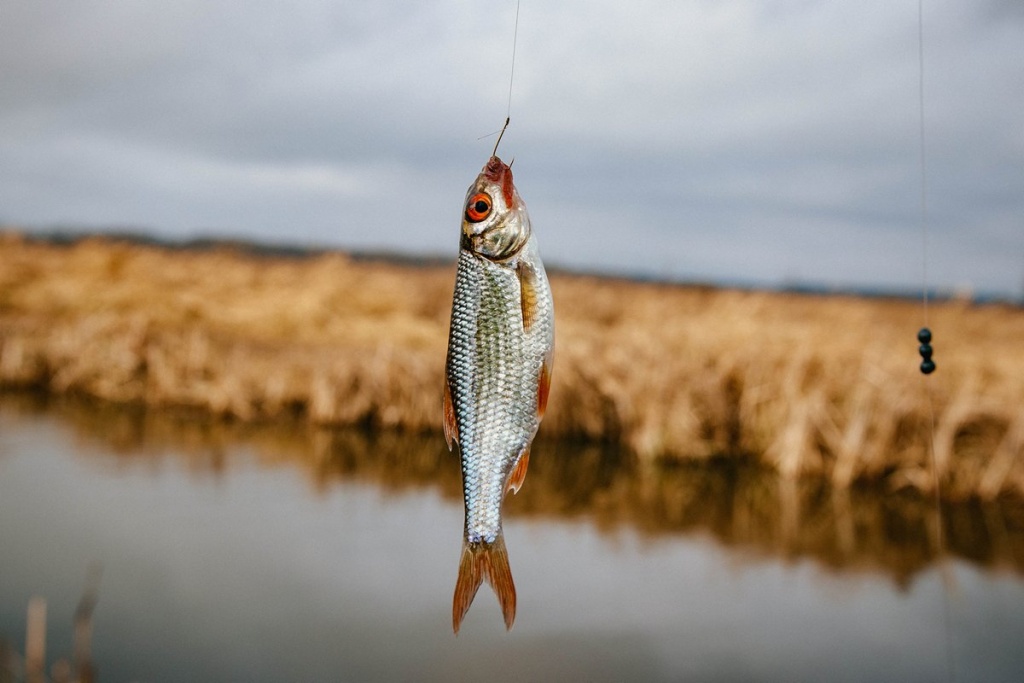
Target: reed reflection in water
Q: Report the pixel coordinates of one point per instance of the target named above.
(262, 552)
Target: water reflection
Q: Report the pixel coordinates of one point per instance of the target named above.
(739, 506)
(271, 553)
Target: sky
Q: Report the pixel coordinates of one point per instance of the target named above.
(769, 143)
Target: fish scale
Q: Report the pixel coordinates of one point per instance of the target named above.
(495, 387)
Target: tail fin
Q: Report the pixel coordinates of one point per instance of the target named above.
(482, 561)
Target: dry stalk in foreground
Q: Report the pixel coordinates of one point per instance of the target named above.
(824, 386)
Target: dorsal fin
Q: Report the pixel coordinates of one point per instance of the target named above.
(451, 428)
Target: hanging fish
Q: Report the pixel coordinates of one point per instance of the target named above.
(500, 352)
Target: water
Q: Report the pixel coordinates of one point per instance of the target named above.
(281, 553)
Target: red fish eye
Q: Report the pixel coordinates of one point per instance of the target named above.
(478, 207)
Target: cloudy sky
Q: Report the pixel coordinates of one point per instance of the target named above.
(771, 142)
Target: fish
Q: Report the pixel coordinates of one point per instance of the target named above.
(497, 373)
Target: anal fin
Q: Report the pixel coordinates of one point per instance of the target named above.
(518, 475)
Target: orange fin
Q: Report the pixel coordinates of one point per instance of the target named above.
(544, 385)
(518, 476)
(528, 297)
(480, 562)
(451, 429)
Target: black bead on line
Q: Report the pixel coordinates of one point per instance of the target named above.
(924, 336)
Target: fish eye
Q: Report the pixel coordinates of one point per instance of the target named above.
(478, 207)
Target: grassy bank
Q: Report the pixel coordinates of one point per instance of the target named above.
(815, 386)
(737, 505)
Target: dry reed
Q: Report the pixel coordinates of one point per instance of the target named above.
(740, 506)
(809, 385)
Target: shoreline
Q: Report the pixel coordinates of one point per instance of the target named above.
(285, 251)
(737, 503)
(811, 386)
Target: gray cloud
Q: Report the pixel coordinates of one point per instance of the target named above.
(724, 140)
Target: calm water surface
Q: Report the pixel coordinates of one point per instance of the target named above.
(277, 553)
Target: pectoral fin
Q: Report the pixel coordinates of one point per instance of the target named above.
(528, 293)
(451, 428)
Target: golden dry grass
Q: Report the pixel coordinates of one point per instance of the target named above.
(811, 386)
(738, 505)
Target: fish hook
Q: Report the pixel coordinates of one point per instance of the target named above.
(502, 132)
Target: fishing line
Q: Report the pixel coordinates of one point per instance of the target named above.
(924, 337)
(512, 71)
(923, 160)
(511, 78)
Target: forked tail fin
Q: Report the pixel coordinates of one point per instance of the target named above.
(484, 561)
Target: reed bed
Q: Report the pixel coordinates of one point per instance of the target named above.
(811, 386)
(741, 506)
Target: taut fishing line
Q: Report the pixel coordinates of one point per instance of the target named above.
(512, 70)
(511, 77)
(924, 337)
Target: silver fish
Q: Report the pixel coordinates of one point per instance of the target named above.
(498, 371)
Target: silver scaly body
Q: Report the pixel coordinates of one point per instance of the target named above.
(498, 371)
(494, 370)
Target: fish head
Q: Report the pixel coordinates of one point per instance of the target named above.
(495, 224)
